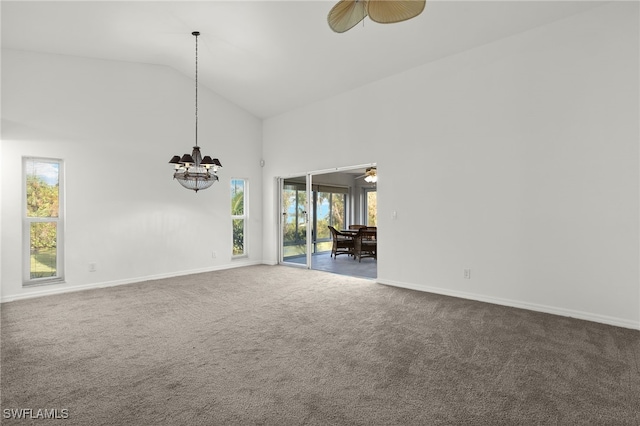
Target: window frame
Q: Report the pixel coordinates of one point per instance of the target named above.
(27, 221)
(244, 217)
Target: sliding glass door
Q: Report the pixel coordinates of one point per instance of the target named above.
(294, 220)
(307, 215)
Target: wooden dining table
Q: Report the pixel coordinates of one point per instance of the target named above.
(365, 246)
(353, 232)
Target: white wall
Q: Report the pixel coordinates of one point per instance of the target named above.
(116, 125)
(518, 160)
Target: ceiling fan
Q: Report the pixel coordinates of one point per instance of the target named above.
(347, 13)
(370, 175)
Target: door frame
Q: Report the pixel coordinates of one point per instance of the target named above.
(309, 185)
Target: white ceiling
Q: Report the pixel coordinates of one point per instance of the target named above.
(268, 56)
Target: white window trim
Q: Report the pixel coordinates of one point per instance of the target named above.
(27, 281)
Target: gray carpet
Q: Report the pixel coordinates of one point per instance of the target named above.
(275, 345)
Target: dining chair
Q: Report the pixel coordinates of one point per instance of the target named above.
(342, 243)
(365, 244)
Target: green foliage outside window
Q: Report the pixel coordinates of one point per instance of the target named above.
(238, 237)
(42, 201)
(43, 252)
(237, 209)
(42, 198)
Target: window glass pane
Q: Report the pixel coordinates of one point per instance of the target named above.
(238, 236)
(372, 207)
(323, 206)
(42, 188)
(338, 210)
(300, 219)
(237, 197)
(294, 229)
(239, 215)
(43, 245)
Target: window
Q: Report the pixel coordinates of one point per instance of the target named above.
(371, 206)
(239, 215)
(43, 221)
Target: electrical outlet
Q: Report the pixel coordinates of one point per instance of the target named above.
(93, 267)
(467, 273)
(214, 254)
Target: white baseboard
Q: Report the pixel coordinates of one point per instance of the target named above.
(603, 319)
(55, 289)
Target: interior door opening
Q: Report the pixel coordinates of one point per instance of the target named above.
(310, 204)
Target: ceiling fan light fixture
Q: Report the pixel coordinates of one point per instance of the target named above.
(370, 175)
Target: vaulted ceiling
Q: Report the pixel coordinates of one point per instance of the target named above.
(268, 57)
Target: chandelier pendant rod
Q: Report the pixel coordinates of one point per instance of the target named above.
(196, 34)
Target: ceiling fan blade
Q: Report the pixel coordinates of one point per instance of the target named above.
(389, 11)
(346, 14)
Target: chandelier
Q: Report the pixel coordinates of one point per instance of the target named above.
(193, 171)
